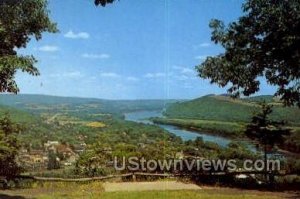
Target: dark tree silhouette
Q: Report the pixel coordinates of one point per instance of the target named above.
(52, 161)
(267, 132)
(9, 146)
(103, 2)
(264, 42)
(20, 20)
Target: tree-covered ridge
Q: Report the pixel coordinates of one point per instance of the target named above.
(81, 106)
(18, 115)
(225, 116)
(69, 119)
(115, 137)
(224, 108)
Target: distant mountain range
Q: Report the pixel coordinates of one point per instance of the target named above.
(210, 107)
(30, 102)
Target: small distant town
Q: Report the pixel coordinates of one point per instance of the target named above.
(54, 155)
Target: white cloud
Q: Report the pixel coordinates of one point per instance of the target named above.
(202, 45)
(201, 57)
(48, 48)
(187, 86)
(182, 77)
(55, 75)
(134, 79)
(109, 74)
(187, 71)
(177, 67)
(96, 56)
(183, 73)
(184, 70)
(71, 74)
(155, 75)
(79, 35)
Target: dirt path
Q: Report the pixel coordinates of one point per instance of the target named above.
(149, 186)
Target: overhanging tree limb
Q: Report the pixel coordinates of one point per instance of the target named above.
(265, 42)
(20, 20)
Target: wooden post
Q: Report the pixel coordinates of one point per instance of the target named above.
(133, 177)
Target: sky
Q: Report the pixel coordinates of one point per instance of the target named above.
(132, 49)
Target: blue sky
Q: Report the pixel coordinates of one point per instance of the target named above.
(128, 50)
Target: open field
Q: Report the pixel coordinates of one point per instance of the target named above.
(149, 186)
(148, 190)
(227, 129)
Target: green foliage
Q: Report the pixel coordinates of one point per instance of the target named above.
(264, 42)
(292, 143)
(126, 139)
(64, 118)
(52, 161)
(266, 131)
(293, 165)
(20, 20)
(238, 151)
(9, 64)
(18, 116)
(225, 116)
(223, 108)
(80, 106)
(9, 147)
(226, 129)
(209, 108)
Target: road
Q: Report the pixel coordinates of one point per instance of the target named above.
(149, 186)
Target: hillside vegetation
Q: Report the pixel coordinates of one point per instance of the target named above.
(223, 108)
(225, 116)
(77, 105)
(18, 116)
(226, 129)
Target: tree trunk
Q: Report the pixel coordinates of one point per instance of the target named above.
(266, 162)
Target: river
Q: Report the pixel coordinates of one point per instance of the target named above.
(142, 117)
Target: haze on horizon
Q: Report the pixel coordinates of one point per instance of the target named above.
(140, 50)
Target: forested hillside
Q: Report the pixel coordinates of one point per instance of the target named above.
(224, 108)
(40, 103)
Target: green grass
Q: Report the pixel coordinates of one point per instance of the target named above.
(203, 194)
(94, 190)
(227, 129)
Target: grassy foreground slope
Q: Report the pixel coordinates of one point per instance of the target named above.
(162, 195)
(95, 190)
